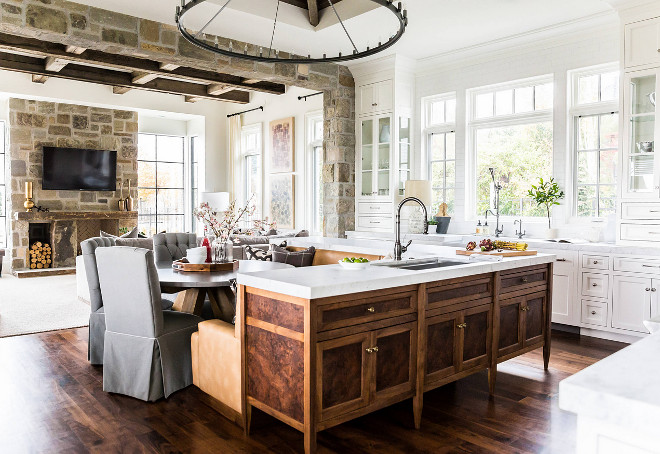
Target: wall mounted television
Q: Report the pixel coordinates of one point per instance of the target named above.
(78, 169)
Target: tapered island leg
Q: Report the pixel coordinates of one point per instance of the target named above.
(548, 320)
(310, 441)
(492, 377)
(247, 419)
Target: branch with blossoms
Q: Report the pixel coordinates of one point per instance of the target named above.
(224, 223)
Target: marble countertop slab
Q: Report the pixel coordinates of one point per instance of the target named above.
(623, 389)
(332, 280)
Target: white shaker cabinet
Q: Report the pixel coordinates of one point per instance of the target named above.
(564, 288)
(642, 43)
(631, 302)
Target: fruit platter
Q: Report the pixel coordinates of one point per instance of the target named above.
(490, 247)
(354, 263)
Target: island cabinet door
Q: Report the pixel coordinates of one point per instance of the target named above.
(510, 337)
(343, 374)
(534, 313)
(395, 356)
(475, 337)
(442, 346)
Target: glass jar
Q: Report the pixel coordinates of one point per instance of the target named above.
(223, 250)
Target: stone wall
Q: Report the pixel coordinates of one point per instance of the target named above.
(81, 25)
(34, 124)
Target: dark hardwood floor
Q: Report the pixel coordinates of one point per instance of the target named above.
(51, 400)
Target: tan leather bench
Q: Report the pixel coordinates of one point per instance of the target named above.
(216, 350)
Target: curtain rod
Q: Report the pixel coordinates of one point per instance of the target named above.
(308, 96)
(246, 111)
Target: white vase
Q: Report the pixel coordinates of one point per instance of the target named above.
(551, 233)
(416, 221)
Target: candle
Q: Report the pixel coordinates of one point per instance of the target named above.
(28, 189)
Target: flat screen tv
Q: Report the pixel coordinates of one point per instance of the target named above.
(78, 169)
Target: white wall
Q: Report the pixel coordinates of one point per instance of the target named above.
(593, 44)
(277, 107)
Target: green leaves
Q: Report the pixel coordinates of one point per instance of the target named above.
(546, 193)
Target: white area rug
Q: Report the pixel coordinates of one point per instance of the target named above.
(40, 304)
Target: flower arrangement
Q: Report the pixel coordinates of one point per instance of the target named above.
(223, 224)
(546, 193)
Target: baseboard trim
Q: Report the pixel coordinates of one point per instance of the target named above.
(617, 337)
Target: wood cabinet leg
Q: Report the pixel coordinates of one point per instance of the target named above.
(492, 377)
(546, 354)
(247, 419)
(418, 401)
(310, 441)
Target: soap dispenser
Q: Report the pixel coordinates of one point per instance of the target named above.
(485, 230)
(479, 227)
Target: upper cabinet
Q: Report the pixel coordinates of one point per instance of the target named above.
(375, 97)
(642, 43)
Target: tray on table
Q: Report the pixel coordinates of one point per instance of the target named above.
(184, 265)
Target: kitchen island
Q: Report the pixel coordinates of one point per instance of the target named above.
(324, 345)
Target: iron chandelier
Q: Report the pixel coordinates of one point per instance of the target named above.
(269, 55)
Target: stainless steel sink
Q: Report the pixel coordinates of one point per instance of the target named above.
(428, 266)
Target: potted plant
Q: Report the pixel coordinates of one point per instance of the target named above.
(547, 194)
(442, 219)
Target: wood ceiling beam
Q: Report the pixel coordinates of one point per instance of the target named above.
(143, 78)
(75, 50)
(39, 79)
(313, 8)
(218, 89)
(168, 66)
(120, 90)
(44, 49)
(55, 64)
(35, 66)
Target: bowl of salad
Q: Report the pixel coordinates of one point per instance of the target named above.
(354, 263)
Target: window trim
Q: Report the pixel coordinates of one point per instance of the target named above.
(310, 193)
(3, 212)
(473, 125)
(576, 111)
(429, 172)
(243, 154)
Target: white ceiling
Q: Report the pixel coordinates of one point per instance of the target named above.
(435, 26)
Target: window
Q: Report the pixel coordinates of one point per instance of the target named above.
(511, 130)
(440, 118)
(161, 200)
(251, 165)
(3, 191)
(194, 177)
(595, 117)
(314, 139)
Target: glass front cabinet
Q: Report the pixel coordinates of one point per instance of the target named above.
(376, 156)
(641, 167)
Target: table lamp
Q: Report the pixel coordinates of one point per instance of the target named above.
(218, 201)
(420, 189)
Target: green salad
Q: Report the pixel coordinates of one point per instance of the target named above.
(355, 260)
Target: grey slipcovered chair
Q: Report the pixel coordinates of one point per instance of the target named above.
(97, 315)
(147, 350)
(173, 246)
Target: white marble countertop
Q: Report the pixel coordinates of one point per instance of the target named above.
(331, 280)
(536, 243)
(623, 389)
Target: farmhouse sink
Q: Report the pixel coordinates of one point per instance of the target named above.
(423, 264)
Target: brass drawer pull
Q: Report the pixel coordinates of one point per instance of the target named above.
(525, 279)
(461, 325)
(372, 349)
(371, 309)
(524, 308)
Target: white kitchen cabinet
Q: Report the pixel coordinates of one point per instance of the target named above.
(375, 162)
(631, 302)
(564, 290)
(642, 43)
(594, 313)
(375, 97)
(595, 285)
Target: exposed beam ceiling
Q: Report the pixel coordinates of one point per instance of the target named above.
(39, 79)
(313, 8)
(36, 67)
(134, 72)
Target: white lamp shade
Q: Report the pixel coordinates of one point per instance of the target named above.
(420, 189)
(218, 201)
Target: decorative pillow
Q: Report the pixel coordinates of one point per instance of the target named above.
(258, 254)
(302, 233)
(144, 243)
(298, 258)
(132, 234)
(241, 240)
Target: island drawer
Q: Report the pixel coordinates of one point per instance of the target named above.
(366, 309)
(455, 291)
(521, 280)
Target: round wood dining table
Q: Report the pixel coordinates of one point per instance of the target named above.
(193, 287)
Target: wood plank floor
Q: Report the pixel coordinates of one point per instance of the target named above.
(51, 400)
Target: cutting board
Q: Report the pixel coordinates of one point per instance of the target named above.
(503, 253)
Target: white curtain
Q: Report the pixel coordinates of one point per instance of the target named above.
(235, 125)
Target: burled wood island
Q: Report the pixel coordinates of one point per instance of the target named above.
(315, 361)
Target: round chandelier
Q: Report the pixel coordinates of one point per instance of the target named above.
(270, 55)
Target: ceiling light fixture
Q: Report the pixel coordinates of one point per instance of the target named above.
(271, 55)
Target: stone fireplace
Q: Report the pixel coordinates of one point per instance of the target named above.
(74, 215)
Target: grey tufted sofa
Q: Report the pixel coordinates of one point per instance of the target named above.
(173, 246)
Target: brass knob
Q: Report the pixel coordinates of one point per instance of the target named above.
(525, 308)
(371, 309)
(461, 325)
(593, 312)
(370, 350)
(524, 279)
(375, 349)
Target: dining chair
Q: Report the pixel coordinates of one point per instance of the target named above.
(97, 314)
(147, 350)
(173, 246)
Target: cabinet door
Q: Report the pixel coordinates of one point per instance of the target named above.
(642, 41)
(383, 158)
(442, 343)
(384, 96)
(655, 300)
(343, 374)
(631, 303)
(395, 361)
(368, 101)
(510, 326)
(367, 157)
(534, 318)
(475, 337)
(563, 294)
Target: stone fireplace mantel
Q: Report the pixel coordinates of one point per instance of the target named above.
(73, 215)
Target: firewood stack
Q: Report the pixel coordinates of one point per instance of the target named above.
(40, 255)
